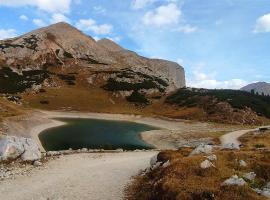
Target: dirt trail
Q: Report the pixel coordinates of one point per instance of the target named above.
(80, 176)
(232, 137)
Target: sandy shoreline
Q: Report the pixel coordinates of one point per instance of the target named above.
(171, 134)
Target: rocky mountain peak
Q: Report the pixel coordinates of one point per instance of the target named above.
(63, 45)
(109, 45)
(259, 87)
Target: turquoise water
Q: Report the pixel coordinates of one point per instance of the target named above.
(95, 134)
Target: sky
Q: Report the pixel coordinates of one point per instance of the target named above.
(220, 43)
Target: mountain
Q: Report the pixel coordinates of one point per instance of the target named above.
(259, 87)
(30, 60)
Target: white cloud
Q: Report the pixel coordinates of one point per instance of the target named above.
(91, 25)
(262, 24)
(58, 17)
(163, 15)
(187, 29)
(52, 6)
(99, 10)
(139, 4)
(7, 33)
(24, 17)
(202, 80)
(39, 22)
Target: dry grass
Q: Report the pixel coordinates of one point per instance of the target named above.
(185, 180)
(256, 140)
(8, 109)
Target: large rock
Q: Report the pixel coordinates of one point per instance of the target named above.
(206, 164)
(234, 180)
(202, 149)
(12, 147)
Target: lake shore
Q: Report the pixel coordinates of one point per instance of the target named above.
(172, 133)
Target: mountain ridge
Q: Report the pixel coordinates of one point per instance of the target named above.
(61, 44)
(258, 87)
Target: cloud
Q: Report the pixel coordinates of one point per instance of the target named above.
(163, 15)
(24, 18)
(99, 9)
(203, 80)
(7, 33)
(187, 29)
(91, 25)
(52, 6)
(262, 24)
(58, 17)
(39, 22)
(139, 4)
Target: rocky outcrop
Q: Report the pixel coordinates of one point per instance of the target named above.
(12, 147)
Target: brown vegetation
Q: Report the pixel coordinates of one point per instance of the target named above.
(183, 179)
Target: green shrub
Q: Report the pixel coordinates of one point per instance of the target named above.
(136, 97)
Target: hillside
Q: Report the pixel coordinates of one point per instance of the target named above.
(231, 106)
(261, 88)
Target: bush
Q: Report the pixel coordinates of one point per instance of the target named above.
(136, 97)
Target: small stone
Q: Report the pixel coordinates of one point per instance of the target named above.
(37, 163)
(234, 180)
(166, 164)
(206, 164)
(242, 163)
(212, 157)
(250, 176)
(231, 146)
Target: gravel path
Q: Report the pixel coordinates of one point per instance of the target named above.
(232, 137)
(79, 176)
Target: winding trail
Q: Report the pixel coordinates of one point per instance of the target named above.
(231, 139)
(93, 176)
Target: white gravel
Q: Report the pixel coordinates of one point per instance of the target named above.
(98, 176)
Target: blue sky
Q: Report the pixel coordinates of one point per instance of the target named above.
(220, 43)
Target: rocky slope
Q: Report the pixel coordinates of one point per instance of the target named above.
(259, 87)
(29, 60)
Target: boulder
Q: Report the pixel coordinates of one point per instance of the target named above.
(231, 146)
(250, 176)
(153, 160)
(206, 164)
(202, 148)
(166, 164)
(31, 150)
(234, 180)
(12, 147)
(242, 163)
(211, 157)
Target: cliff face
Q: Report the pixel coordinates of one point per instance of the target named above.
(61, 45)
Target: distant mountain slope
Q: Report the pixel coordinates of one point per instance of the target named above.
(259, 87)
(61, 45)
